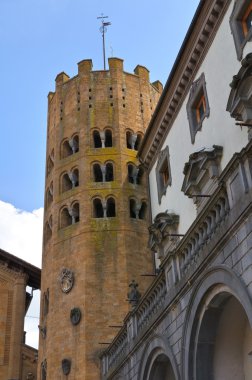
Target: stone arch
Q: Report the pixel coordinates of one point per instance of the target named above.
(65, 149)
(108, 143)
(97, 143)
(143, 210)
(132, 208)
(97, 172)
(138, 140)
(158, 350)
(109, 171)
(216, 292)
(97, 211)
(65, 219)
(110, 207)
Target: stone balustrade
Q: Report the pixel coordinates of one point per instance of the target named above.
(185, 256)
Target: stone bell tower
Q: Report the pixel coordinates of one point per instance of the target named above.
(96, 214)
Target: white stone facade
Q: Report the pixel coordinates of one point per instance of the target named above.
(195, 321)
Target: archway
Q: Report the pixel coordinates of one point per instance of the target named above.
(218, 336)
(158, 361)
(223, 341)
(161, 369)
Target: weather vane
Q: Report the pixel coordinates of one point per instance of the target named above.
(103, 30)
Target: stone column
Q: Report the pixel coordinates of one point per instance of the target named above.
(17, 326)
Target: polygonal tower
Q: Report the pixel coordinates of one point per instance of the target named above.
(96, 214)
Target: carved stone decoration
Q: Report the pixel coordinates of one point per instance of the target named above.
(66, 366)
(30, 376)
(66, 280)
(200, 172)
(75, 316)
(43, 370)
(42, 330)
(240, 99)
(160, 233)
(134, 295)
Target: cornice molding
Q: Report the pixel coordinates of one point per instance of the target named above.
(11, 273)
(194, 49)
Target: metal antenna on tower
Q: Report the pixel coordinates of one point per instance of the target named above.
(103, 30)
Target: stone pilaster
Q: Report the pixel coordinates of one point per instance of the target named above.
(19, 294)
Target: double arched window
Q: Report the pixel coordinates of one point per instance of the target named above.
(69, 215)
(103, 172)
(135, 174)
(69, 180)
(102, 139)
(133, 140)
(104, 208)
(69, 146)
(138, 209)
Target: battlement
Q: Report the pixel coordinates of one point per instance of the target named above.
(85, 68)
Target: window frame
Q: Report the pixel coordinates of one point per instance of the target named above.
(197, 96)
(163, 160)
(237, 22)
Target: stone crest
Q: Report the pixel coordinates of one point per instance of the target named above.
(66, 366)
(66, 280)
(75, 316)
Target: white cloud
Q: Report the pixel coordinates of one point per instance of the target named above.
(21, 232)
(21, 235)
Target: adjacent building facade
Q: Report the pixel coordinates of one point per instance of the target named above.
(17, 360)
(96, 214)
(195, 320)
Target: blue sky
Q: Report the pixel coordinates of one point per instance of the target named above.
(39, 39)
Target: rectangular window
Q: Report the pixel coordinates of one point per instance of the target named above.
(163, 173)
(197, 106)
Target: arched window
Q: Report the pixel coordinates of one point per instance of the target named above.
(49, 195)
(143, 210)
(69, 147)
(109, 176)
(75, 213)
(74, 176)
(134, 174)
(97, 139)
(66, 183)
(97, 208)
(65, 218)
(74, 144)
(48, 229)
(66, 149)
(133, 208)
(138, 141)
(70, 180)
(111, 212)
(97, 173)
(50, 163)
(131, 173)
(128, 140)
(108, 138)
